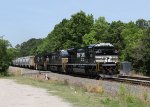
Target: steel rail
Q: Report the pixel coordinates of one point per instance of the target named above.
(132, 81)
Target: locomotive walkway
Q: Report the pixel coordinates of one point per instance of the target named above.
(18, 95)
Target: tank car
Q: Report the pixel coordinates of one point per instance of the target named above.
(26, 62)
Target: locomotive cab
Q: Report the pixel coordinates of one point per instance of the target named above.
(106, 58)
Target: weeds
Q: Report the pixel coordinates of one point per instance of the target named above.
(145, 95)
(106, 101)
(66, 82)
(96, 89)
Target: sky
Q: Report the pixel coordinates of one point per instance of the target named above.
(21, 20)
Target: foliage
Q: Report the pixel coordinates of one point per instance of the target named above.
(136, 48)
(4, 63)
(145, 54)
(12, 53)
(99, 32)
(89, 38)
(115, 36)
(29, 47)
(68, 33)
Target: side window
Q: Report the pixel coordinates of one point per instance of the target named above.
(80, 55)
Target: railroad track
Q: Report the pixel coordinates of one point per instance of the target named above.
(136, 77)
(144, 81)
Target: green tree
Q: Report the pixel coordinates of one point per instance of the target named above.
(4, 63)
(101, 27)
(132, 36)
(99, 32)
(29, 47)
(115, 37)
(12, 54)
(81, 24)
(89, 38)
(142, 23)
(144, 63)
(68, 33)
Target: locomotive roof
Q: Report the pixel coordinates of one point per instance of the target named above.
(71, 49)
(101, 45)
(81, 50)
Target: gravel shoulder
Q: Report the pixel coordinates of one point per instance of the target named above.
(18, 95)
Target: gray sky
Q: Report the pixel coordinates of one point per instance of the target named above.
(21, 20)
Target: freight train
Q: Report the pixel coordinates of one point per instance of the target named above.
(96, 59)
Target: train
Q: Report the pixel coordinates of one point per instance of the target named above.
(96, 59)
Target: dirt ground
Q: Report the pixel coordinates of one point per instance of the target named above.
(18, 95)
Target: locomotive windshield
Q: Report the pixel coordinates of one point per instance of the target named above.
(64, 53)
(105, 50)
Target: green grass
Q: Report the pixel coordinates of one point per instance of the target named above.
(81, 97)
(125, 99)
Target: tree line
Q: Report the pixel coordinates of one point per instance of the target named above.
(131, 39)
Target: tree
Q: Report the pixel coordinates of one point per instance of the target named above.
(12, 54)
(132, 52)
(81, 24)
(4, 63)
(68, 33)
(99, 32)
(89, 38)
(145, 52)
(115, 37)
(142, 23)
(29, 47)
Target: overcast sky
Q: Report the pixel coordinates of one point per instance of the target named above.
(21, 20)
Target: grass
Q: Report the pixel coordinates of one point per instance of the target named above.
(81, 96)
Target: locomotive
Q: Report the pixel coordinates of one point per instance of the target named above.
(96, 59)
